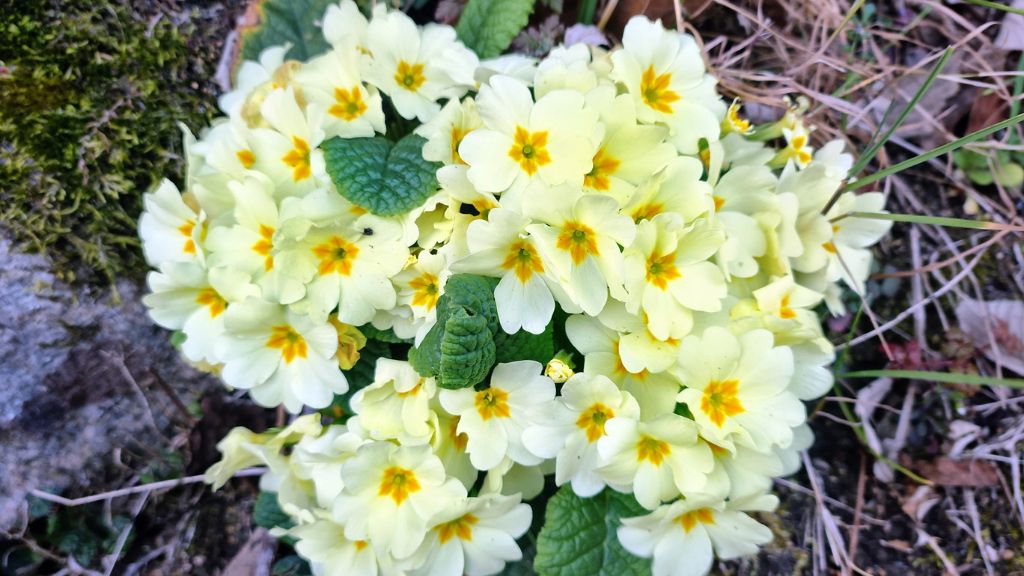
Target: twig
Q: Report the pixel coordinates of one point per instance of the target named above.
(144, 488)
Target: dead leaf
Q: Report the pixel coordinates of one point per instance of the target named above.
(986, 110)
(255, 557)
(921, 120)
(919, 503)
(1011, 32)
(946, 471)
(1004, 345)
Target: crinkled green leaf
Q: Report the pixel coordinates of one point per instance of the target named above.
(290, 566)
(267, 512)
(467, 350)
(386, 178)
(579, 536)
(488, 26)
(525, 346)
(459, 350)
(295, 22)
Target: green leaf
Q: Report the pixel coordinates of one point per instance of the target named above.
(525, 346)
(387, 179)
(488, 26)
(387, 335)
(290, 566)
(267, 512)
(938, 151)
(579, 536)
(460, 350)
(945, 377)
(288, 21)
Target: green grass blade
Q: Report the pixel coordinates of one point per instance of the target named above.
(996, 6)
(945, 377)
(587, 11)
(870, 153)
(939, 151)
(934, 220)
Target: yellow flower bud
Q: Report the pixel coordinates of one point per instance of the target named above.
(558, 370)
(350, 342)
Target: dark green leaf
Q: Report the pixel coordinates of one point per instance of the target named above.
(388, 335)
(267, 512)
(459, 350)
(288, 21)
(525, 346)
(488, 26)
(290, 566)
(386, 179)
(579, 536)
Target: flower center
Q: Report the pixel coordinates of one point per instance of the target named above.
(592, 420)
(492, 403)
(604, 166)
(336, 255)
(662, 270)
(460, 527)
(785, 311)
(425, 291)
(288, 341)
(655, 92)
(298, 159)
(212, 300)
(523, 258)
(530, 149)
(409, 76)
(246, 157)
(348, 105)
(264, 245)
(652, 450)
(690, 519)
(579, 240)
(459, 440)
(721, 400)
(398, 483)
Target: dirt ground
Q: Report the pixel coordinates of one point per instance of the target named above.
(905, 477)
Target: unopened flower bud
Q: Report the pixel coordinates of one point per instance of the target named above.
(558, 370)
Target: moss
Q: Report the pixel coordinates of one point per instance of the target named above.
(90, 93)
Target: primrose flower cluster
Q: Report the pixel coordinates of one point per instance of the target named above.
(617, 210)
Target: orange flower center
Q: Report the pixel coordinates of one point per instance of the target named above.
(492, 403)
(688, 520)
(523, 258)
(409, 76)
(654, 90)
(298, 159)
(462, 528)
(652, 450)
(592, 420)
(579, 240)
(604, 166)
(348, 104)
(530, 149)
(398, 483)
(336, 255)
(721, 400)
(662, 270)
(289, 342)
(425, 291)
(211, 299)
(264, 245)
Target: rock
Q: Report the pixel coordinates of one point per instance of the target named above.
(81, 387)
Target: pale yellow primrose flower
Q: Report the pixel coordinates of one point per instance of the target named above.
(664, 72)
(668, 274)
(279, 356)
(476, 538)
(580, 235)
(604, 353)
(185, 297)
(550, 141)
(416, 66)
(171, 231)
(393, 495)
(396, 406)
(494, 418)
(656, 460)
(684, 537)
(736, 388)
(575, 423)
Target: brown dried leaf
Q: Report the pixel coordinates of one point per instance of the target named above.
(1005, 343)
(946, 471)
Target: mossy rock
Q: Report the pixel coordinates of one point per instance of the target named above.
(90, 94)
